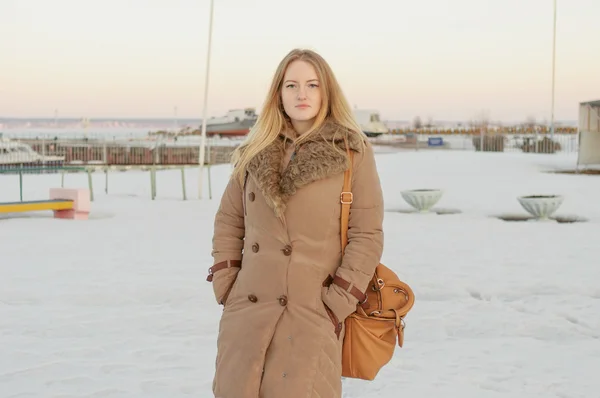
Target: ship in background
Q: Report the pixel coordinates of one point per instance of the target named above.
(370, 122)
(235, 123)
(15, 155)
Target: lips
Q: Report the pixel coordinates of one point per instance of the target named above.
(302, 106)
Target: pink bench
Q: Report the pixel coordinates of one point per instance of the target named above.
(81, 203)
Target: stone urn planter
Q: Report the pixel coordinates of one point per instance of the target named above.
(422, 199)
(541, 206)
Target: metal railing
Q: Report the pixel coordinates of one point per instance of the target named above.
(492, 142)
(47, 153)
(20, 152)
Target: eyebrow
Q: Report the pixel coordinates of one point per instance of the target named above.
(311, 80)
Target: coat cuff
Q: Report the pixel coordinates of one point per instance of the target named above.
(340, 302)
(220, 256)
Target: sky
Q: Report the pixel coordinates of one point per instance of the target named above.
(439, 59)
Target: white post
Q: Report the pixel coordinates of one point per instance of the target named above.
(553, 72)
(204, 115)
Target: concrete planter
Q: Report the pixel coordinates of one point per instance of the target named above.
(541, 206)
(422, 199)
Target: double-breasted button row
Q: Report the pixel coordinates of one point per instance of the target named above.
(287, 250)
(283, 300)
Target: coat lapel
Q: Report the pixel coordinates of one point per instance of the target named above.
(322, 156)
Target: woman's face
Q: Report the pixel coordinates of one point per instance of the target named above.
(301, 93)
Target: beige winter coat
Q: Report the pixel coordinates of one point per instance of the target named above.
(276, 338)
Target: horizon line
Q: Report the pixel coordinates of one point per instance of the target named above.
(77, 118)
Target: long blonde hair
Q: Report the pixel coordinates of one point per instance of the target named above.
(272, 120)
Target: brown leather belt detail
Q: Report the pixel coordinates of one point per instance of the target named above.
(347, 286)
(334, 319)
(327, 281)
(222, 265)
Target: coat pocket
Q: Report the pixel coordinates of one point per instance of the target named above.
(222, 283)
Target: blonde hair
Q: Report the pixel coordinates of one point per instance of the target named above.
(272, 120)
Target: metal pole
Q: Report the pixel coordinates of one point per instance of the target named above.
(553, 72)
(21, 183)
(204, 115)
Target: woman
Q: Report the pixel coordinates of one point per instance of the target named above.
(277, 240)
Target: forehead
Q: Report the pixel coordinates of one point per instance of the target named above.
(300, 70)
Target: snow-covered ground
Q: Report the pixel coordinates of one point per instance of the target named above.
(118, 306)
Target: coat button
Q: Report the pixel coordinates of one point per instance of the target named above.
(287, 250)
(283, 300)
(255, 248)
(251, 196)
(252, 298)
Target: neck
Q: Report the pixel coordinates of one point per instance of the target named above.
(302, 126)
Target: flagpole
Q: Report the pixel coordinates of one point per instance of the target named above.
(204, 113)
(553, 72)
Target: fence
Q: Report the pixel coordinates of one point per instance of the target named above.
(53, 152)
(492, 142)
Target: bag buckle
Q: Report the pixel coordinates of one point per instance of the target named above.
(346, 202)
(363, 301)
(380, 285)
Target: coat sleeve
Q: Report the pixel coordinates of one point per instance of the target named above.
(228, 238)
(365, 236)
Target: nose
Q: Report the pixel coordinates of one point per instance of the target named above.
(301, 94)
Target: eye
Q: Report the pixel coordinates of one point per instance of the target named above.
(313, 85)
(291, 85)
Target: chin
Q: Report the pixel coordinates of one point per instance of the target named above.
(303, 116)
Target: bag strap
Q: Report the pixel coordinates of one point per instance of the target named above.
(346, 198)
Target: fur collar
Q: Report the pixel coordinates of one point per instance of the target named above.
(323, 155)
